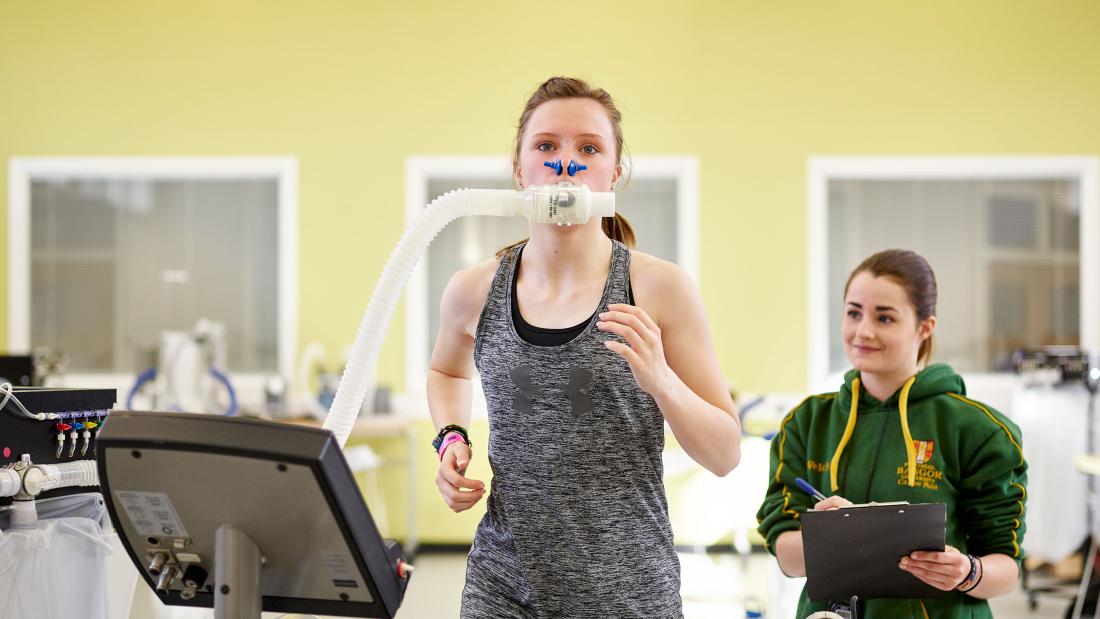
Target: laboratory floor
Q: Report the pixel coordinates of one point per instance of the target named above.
(714, 586)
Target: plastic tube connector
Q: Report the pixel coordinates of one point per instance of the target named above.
(555, 166)
(24, 514)
(566, 203)
(575, 167)
(42, 477)
(10, 482)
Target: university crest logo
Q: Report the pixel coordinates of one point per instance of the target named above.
(924, 450)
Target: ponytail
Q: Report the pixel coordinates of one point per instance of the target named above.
(617, 228)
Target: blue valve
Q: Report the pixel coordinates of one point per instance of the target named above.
(575, 167)
(556, 166)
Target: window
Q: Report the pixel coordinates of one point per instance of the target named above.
(105, 254)
(661, 202)
(1004, 236)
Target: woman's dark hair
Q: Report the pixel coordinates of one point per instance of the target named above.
(913, 273)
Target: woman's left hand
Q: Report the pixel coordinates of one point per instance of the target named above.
(943, 570)
(645, 352)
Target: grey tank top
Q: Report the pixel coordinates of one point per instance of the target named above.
(577, 521)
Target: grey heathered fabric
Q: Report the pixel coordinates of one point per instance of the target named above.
(577, 521)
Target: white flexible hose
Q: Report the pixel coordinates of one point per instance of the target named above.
(564, 203)
(410, 249)
(64, 475)
(41, 477)
(10, 482)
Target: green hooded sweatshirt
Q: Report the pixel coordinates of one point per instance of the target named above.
(927, 443)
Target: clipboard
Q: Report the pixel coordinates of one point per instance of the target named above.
(855, 550)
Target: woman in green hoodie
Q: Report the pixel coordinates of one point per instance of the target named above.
(902, 430)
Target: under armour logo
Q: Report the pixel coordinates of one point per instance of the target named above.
(579, 378)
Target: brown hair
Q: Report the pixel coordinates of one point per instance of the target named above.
(913, 273)
(617, 227)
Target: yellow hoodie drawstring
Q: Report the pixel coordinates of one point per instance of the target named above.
(910, 448)
(848, 431)
(850, 428)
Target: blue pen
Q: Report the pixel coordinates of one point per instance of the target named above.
(808, 489)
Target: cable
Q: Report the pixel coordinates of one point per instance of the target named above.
(232, 410)
(744, 411)
(9, 396)
(151, 374)
(142, 378)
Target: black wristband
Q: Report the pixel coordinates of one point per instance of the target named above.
(438, 440)
(981, 574)
(975, 576)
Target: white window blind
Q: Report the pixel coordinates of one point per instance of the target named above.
(1006, 255)
(114, 261)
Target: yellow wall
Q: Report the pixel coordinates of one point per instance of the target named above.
(352, 88)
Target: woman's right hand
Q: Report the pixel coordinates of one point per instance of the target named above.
(459, 492)
(832, 502)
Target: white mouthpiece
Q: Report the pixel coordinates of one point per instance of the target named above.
(603, 204)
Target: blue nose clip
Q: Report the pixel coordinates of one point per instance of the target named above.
(573, 168)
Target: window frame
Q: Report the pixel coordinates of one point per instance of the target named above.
(823, 169)
(284, 170)
(419, 170)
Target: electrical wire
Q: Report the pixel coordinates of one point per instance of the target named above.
(151, 374)
(142, 378)
(9, 396)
